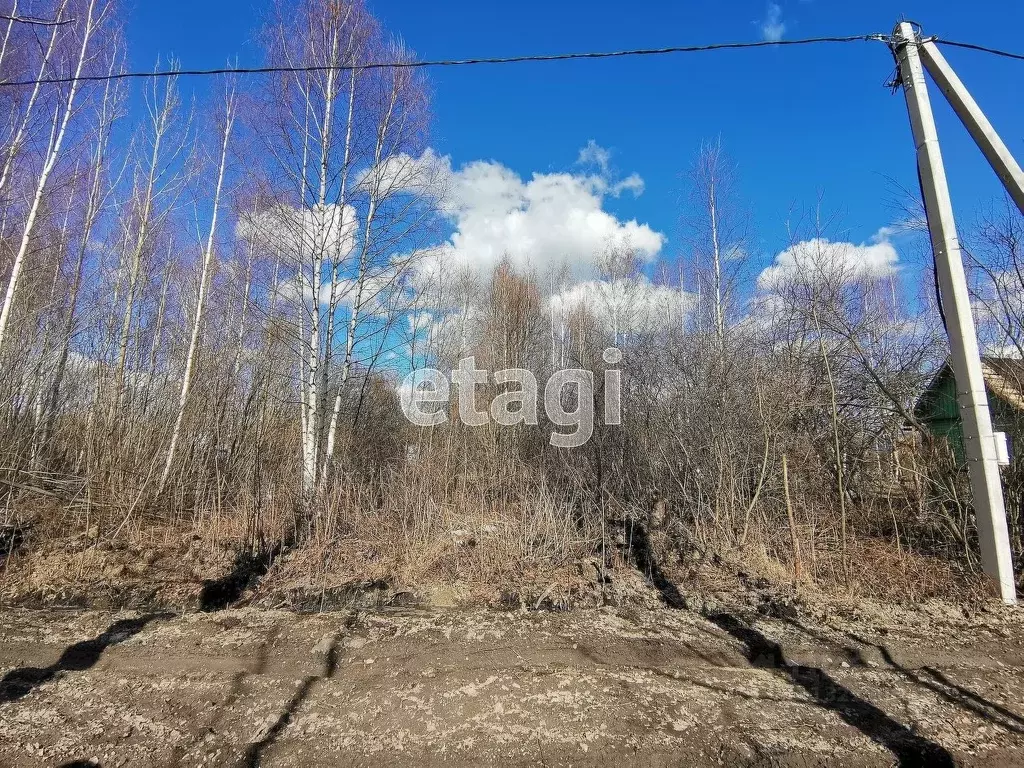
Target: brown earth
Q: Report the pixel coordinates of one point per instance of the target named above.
(724, 686)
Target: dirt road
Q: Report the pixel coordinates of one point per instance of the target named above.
(598, 687)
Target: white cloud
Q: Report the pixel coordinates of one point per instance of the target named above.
(419, 321)
(772, 26)
(376, 292)
(900, 228)
(820, 257)
(624, 306)
(329, 229)
(595, 154)
(549, 220)
(425, 175)
(1001, 350)
(298, 286)
(632, 183)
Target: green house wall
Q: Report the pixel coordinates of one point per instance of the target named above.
(939, 410)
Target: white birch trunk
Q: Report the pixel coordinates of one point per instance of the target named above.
(43, 365)
(716, 256)
(158, 329)
(52, 155)
(92, 209)
(361, 276)
(322, 225)
(19, 135)
(204, 280)
(7, 32)
(161, 123)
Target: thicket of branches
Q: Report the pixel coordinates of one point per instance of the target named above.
(209, 306)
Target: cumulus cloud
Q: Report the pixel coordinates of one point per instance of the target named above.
(1001, 350)
(377, 289)
(822, 257)
(595, 154)
(328, 229)
(547, 220)
(772, 26)
(632, 183)
(623, 306)
(419, 321)
(330, 232)
(424, 176)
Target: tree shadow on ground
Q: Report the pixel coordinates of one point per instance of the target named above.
(938, 683)
(909, 748)
(18, 683)
(248, 568)
(639, 544)
(235, 691)
(255, 751)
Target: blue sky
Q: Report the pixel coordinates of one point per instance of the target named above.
(798, 122)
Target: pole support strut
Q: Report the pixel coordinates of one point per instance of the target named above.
(974, 120)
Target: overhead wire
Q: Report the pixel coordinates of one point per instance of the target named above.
(430, 63)
(982, 48)
(34, 20)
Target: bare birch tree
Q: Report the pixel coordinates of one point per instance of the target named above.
(716, 235)
(156, 184)
(346, 140)
(92, 15)
(204, 286)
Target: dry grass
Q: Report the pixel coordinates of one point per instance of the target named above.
(466, 538)
(406, 531)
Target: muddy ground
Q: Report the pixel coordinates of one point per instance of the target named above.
(704, 686)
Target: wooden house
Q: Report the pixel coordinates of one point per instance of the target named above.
(939, 410)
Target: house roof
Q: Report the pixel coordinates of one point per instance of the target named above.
(1004, 378)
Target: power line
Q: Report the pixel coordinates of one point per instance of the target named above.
(469, 62)
(984, 49)
(449, 62)
(34, 20)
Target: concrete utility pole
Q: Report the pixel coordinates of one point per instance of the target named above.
(974, 121)
(980, 446)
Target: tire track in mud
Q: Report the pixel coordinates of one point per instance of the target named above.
(603, 687)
